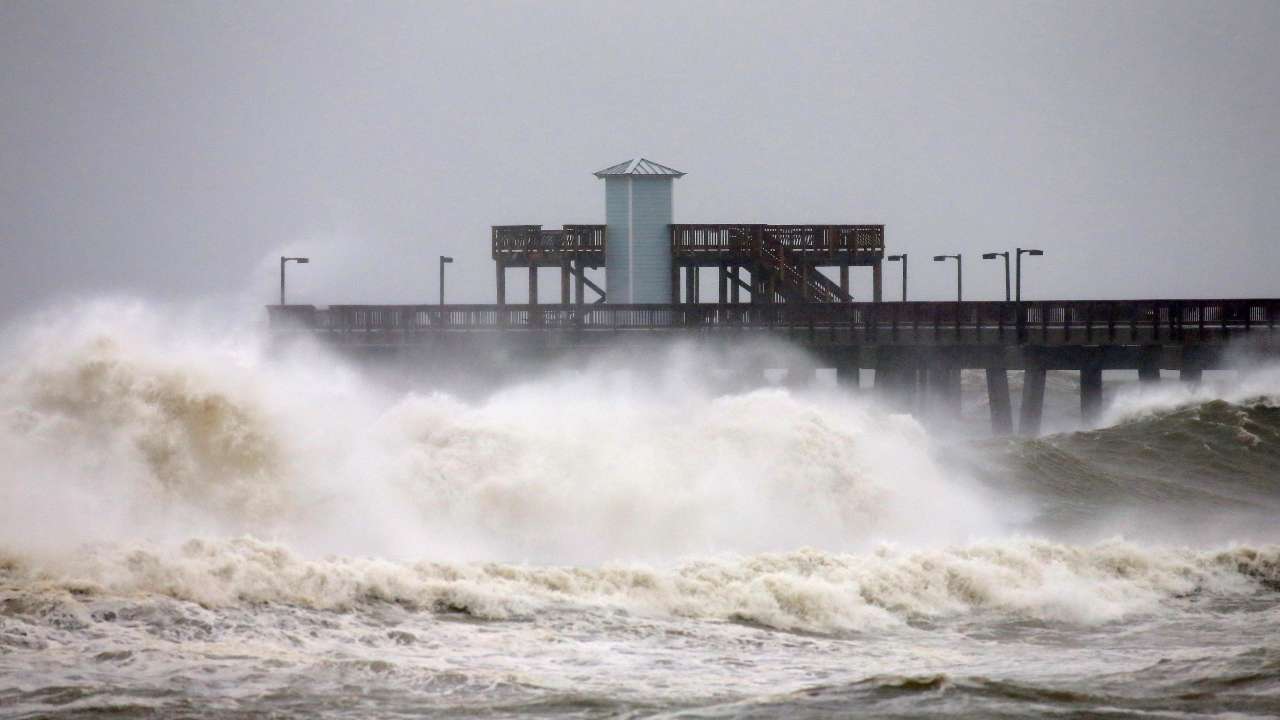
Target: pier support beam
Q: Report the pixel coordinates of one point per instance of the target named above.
(909, 379)
(1090, 394)
(849, 377)
(579, 283)
(1032, 402)
(1192, 366)
(944, 391)
(564, 282)
(691, 284)
(1149, 364)
(844, 280)
(998, 399)
(533, 284)
(502, 282)
(896, 377)
(876, 282)
(886, 379)
(887, 385)
(723, 275)
(736, 283)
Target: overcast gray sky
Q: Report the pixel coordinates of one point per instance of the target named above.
(170, 149)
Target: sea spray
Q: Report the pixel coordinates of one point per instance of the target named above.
(157, 436)
(1250, 383)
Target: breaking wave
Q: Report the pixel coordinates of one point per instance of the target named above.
(116, 431)
(597, 487)
(1193, 470)
(800, 590)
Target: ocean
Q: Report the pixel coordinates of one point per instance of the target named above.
(195, 525)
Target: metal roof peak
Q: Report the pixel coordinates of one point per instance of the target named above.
(639, 166)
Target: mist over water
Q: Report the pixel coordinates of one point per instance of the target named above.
(174, 494)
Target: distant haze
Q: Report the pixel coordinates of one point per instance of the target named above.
(171, 150)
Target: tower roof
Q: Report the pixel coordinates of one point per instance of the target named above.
(640, 166)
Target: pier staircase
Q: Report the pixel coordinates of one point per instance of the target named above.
(795, 281)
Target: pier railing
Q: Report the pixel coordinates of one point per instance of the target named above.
(736, 240)
(514, 240)
(1042, 322)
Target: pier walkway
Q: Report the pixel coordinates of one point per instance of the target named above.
(914, 347)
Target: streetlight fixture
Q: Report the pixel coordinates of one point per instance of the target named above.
(1018, 271)
(1005, 255)
(443, 261)
(283, 260)
(902, 259)
(959, 276)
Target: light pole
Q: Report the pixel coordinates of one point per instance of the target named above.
(283, 260)
(443, 261)
(1018, 271)
(902, 259)
(1005, 255)
(959, 271)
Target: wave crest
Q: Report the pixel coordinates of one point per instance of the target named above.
(804, 590)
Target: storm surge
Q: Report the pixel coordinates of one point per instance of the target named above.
(192, 489)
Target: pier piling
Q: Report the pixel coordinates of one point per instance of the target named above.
(1091, 394)
(1149, 364)
(998, 399)
(1032, 402)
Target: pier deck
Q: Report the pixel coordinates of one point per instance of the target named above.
(912, 346)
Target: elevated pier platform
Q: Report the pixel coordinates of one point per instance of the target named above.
(573, 249)
(771, 263)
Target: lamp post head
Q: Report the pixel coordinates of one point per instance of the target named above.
(940, 258)
(444, 259)
(1035, 252)
(994, 255)
(896, 258)
(303, 261)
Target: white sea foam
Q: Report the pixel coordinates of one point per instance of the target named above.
(1251, 383)
(806, 589)
(116, 428)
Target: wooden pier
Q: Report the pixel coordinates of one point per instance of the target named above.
(912, 346)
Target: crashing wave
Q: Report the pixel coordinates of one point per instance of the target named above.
(802, 590)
